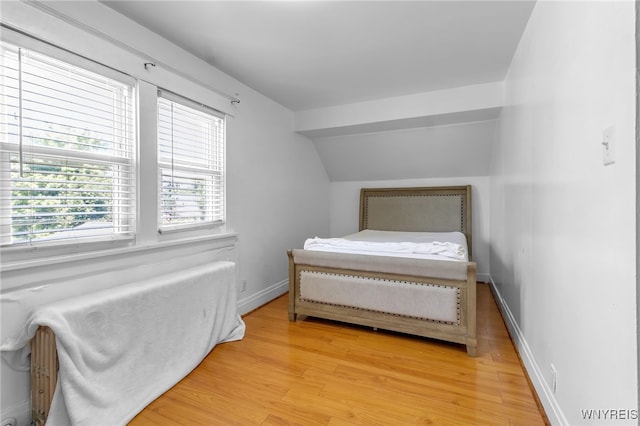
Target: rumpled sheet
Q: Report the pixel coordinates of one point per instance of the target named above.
(121, 348)
(367, 242)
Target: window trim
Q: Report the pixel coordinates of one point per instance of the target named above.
(28, 43)
(145, 91)
(160, 165)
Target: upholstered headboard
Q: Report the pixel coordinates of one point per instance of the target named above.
(436, 209)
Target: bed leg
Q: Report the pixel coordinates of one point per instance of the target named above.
(292, 287)
(472, 349)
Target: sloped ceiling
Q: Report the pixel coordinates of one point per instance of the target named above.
(428, 152)
(362, 60)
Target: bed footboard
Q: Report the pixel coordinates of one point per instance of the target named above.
(435, 299)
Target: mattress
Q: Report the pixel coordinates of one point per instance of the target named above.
(451, 246)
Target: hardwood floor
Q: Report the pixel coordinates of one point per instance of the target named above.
(316, 372)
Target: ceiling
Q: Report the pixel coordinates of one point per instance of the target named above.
(317, 54)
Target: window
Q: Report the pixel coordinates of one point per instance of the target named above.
(191, 163)
(67, 150)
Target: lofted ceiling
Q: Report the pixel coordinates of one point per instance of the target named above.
(315, 54)
(417, 85)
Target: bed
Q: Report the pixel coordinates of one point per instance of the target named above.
(420, 293)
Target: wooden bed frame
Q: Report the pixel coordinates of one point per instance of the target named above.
(436, 209)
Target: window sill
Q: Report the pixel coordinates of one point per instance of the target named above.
(172, 229)
(226, 239)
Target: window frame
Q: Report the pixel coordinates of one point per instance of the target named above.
(55, 54)
(218, 147)
(147, 217)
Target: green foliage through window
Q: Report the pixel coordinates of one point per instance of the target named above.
(66, 151)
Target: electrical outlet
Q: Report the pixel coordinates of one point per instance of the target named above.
(608, 146)
(9, 421)
(243, 287)
(554, 379)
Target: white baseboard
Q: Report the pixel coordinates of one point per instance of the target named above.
(482, 277)
(545, 394)
(256, 300)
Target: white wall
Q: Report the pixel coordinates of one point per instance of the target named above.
(345, 198)
(277, 189)
(563, 226)
(278, 194)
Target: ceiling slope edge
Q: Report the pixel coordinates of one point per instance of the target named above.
(466, 104)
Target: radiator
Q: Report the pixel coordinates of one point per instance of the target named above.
(44, 373)
(198, 307)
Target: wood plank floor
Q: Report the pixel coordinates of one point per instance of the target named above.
(317, 372)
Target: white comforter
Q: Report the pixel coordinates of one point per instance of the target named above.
(121, 348)
(425, 245)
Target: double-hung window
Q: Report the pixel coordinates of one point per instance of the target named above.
(66, 150)
(191, 142)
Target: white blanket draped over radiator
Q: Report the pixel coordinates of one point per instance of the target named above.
(119, 349)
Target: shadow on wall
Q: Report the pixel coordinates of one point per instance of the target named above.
(510, 249)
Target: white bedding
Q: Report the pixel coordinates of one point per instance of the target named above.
(422, 245)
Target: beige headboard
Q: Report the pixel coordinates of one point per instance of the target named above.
(436, 209)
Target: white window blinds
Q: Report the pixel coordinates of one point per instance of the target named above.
(67, 151)
(191, 142)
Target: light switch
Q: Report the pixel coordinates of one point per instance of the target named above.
(608, 146)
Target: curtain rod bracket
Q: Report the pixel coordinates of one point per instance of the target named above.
(148, 64)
